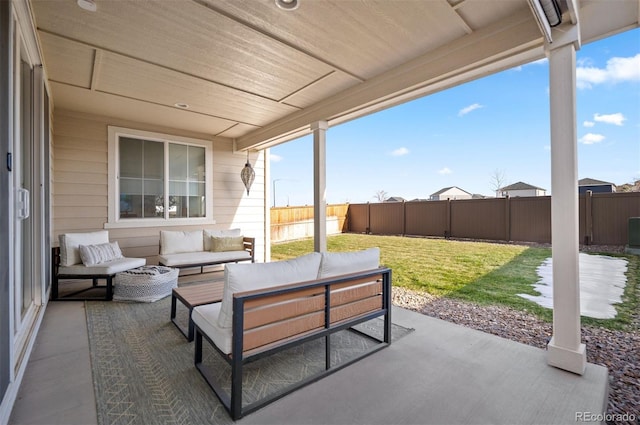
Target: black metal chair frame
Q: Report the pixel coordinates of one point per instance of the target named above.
(237, 359)
(73, 296)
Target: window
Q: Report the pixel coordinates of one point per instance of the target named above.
(157, 179)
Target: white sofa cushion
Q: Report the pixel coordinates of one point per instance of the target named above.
(100, 253)
(110, 267)
(185, 258)
(338, 263)
(70, 243)
(247, 277)
(175, 242)
(208, 233)
(206, 318)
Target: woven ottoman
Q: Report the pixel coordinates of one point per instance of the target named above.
(145, 284)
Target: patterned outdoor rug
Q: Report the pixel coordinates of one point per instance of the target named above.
(143, 369)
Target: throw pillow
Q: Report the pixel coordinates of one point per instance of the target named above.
(218, 232)
(101, 253)
(227, 243)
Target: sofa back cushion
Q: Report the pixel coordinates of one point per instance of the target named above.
(209, 233)
(175, 242)
(70, 243)
(248, 277)
(338, 263)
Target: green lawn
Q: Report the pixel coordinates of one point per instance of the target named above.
(484, 273)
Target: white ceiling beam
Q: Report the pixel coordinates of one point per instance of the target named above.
(95, 72)
(459, 17)
(453, 59)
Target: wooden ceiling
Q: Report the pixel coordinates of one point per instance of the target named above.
(258, 74)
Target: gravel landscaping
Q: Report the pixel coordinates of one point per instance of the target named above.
(619, 351)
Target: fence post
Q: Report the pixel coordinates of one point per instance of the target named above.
(368, 229)
(447, 231)
(588, 218)
(404, 218)
(507, 215)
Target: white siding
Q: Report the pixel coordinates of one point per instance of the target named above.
(454, 193)
(80, 185)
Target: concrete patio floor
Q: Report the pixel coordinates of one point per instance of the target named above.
(441, 373)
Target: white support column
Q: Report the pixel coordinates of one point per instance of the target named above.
(319, 186)
(565, 350)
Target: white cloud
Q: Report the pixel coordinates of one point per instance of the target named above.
(617, 70)
(547, 147)
(445, 170)
(588, 123)
(542, 61)
(591, 138)
(275, 158)
(466, 110)
(615, 119)
(400, 151)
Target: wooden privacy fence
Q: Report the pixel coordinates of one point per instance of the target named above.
(288, 223)
(604, 218)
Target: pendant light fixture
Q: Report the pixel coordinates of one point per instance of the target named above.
(247, 174)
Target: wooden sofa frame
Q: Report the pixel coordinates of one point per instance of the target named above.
(270, 320)
(249, 245)
(55, 265)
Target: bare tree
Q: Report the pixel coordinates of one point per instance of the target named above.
(498, 180)
(380, 196)
(629, 187)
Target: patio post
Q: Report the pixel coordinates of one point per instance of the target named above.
(319, 129)
(565, 349)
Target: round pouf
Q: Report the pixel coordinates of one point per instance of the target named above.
(145, 284)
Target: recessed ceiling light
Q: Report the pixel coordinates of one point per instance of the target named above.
(287, 4)
(89, 5)
(181, 105)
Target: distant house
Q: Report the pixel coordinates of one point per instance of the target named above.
(453, 192)
(520, 189)
(595, 186)
(395, 199)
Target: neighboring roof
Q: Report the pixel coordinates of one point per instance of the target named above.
(446, 189)
(478, 196)
(593, 182)
(520, 186)
(395, 199)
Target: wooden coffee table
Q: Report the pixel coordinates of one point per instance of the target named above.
(193, 296)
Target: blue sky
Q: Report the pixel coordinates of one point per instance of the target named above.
(461, 136)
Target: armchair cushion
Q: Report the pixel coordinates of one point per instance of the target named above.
(247, 277)
(70, 245)
(338, 263)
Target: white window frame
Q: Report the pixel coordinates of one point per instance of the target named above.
(114, 220)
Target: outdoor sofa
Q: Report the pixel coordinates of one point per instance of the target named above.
(269, 307)
(200, 248)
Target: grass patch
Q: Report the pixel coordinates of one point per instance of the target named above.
(484, 273)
